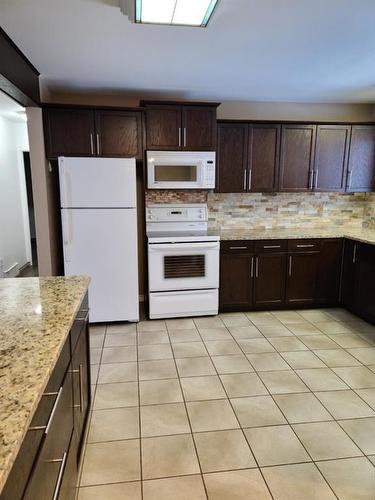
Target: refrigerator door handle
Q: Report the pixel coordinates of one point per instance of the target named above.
(67, 230)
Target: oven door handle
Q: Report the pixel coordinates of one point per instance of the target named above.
(161, 247)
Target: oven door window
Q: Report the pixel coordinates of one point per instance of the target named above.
(176, 173)
(184, 266)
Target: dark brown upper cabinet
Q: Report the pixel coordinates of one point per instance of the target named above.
(361, 169)
(119, 133)
(174, 126)
(89, 132)
(232, 157)
(199, 128)
(163, 127)
(331, 157)
(69, 132)
(263, 157)
(297, 157)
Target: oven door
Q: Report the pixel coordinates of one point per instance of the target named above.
(183, 266)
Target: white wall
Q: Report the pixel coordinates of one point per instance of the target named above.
(15, 245)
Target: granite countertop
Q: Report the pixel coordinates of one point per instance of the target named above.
(36, 315)
(360, 234)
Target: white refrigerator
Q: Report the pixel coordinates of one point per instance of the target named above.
(99, 228)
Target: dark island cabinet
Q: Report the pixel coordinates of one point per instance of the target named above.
(331, 157)
(297, 157)
(89, 132)
(46, 467)
(176, 126)
(361, 169)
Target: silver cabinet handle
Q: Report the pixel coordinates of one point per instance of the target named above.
(350, 176)
(252, 268)
(97, 144)
(81, 386)
(311, 179)
(179, 137)
(256, 267)
(250, 178)
(316, 179)
(305, 246)
(184, 136)
(272, 246)
(237, 248)
(83, 318)
(355, 253)
(244, 179)
(53, 410)
(60, 476)
(92, 144)
(290, 265)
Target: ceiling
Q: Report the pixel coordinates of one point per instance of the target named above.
(252, 50)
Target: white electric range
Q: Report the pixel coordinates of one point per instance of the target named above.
(183, 261)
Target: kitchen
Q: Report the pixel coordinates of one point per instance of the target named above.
(227, 249)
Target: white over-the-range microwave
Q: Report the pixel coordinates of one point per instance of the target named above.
(180, 169)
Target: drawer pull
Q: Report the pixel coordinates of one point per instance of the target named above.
(272, 246)
(60, 476)
(45, 428)
(237, 248)
(305, 246)
(84, 317)
(79, 372)
(252, 268)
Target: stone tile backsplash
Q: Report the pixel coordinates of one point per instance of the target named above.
(277, 210)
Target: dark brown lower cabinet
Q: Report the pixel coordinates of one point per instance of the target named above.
(329, 272)
(301, 278)
(364, 282)
(236, 283)
(349, 275)
(269, 283)
(46, 467)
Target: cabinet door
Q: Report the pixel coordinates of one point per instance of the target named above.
(297, 157)
(235, 281)
(232, 157)
(302, 278)
(119, 134)
(361, 170)
(366, 282)
(69, 132)
(329, 272)
(331, 157)
(199, 128)
(349, 275)
(264, 149)
(163, 127)
(269, 285)
(81, 387)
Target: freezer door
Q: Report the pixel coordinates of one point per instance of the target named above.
(97, 182)
(103, 245)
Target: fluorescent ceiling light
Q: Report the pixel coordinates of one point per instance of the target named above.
(174, 12)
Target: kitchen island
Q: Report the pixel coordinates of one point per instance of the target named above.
(43, 327)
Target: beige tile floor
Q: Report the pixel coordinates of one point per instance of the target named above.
(255, 406)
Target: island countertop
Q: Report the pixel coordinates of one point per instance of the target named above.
(36, 315)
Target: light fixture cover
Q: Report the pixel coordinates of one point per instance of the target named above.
(171, 12)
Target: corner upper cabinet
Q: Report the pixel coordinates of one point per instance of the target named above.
(361, 169)
(119, 134)
(232, 157)
(69, 132)
(177, 126)
(331, 157)
(297, 157)
(263, 157)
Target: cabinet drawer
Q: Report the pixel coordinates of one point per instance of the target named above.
(265, 246)
(237, 246)
(47, 475)
(79, 324)
(304, 245)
